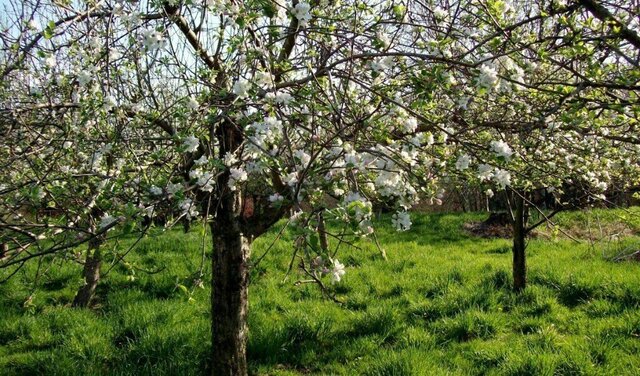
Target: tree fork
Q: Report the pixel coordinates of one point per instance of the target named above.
(91, 274)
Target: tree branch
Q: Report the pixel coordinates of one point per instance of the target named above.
(601, 13)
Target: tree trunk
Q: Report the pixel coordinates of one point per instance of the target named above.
(91, 273)
(322, 234)
(186, 225)
(229, 299)
(519, 245)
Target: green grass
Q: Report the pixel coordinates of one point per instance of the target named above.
(441, 305)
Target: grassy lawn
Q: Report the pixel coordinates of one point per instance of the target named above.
(440, 305)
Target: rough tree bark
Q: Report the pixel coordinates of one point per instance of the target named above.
(238, 219)
(229, 298)
(230, 279)
(519, 245)
(91, 274)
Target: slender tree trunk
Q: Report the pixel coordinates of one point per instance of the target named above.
(186, 225)
(91, 274)
(519, 245)
(322, 233)
(229, 299)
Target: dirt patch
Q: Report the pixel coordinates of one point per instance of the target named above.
(498, 225)
(483, 230)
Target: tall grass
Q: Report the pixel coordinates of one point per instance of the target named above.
(440, 305)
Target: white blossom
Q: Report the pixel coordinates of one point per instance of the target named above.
(409, 125)
(229, 159)
(263, 79)
(95, 43)
(192, 103)
(353, 196)
(463, 162)
(502, 178)
(203, 160)
(276, 198)
(196, 173)
(366, 228)
(380, 65)
(337, 271)
(389, 183)
(401, 221)
(302, 13)
(84, 77)
(352, 159)
(417, 140)
(33, 25)
(188, 208)
(488, 77)
(601, 185)
(51, 61)
(463, 102)
(303, 157)
(190, 143)
(236, 175)
(283, 98)
(440, 14)
(130, 18)
(152, 40)
(359, 207)
(241, 87)
(205, 182)
(429, 139)
(383, 39)
(485, 172)
(291, 179)
(502, 149)
(155, 190)
(173, 188)
(110, 102)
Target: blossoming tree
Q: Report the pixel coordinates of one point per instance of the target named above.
(242, 113)
(544, 97)
(69, 179)
(238, 113)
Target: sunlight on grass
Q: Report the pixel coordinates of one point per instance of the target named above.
(441, 304)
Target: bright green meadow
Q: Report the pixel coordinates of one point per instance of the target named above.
(440, 305)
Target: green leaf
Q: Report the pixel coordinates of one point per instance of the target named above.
(398, 11)
(241, 22)
(268, 8)
(47, 33)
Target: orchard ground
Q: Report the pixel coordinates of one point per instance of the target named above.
(441, 304)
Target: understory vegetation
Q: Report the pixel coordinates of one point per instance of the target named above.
(441, 304)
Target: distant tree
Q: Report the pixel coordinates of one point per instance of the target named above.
(549, 103)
